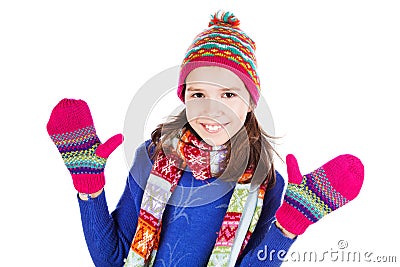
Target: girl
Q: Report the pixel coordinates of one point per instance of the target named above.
(203, 190)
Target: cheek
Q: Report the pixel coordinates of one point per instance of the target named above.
(192, 110)
(243, 118)
(241, 113)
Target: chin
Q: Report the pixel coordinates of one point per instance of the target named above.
(214, 141)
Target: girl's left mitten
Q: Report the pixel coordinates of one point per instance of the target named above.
(310, 197)
(71, 128)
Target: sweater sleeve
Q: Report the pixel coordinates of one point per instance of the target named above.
(267, 245)
(108, 236)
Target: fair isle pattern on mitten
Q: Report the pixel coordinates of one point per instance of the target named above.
(315, 197)
(78, 148)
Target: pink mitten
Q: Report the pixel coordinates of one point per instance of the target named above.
(310, 197)
(71, 128)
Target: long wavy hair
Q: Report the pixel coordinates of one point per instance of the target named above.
(251, 148)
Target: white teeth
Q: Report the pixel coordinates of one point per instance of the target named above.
(212, 128)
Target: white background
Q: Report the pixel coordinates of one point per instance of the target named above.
(329, 72)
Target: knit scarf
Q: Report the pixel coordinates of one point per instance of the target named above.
(239, 221)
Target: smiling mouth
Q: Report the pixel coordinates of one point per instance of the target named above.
(213, 128)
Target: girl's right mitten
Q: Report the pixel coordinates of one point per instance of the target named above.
(71, 128)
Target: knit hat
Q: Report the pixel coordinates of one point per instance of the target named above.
(223, 44)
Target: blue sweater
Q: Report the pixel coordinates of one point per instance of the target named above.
(188, 233)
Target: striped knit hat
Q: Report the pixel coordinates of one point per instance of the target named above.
(223, 44)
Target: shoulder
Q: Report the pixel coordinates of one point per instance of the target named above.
(141, 165)
(280, 182)
(142, 151)
(277, 190)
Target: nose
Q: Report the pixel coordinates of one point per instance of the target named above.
(213, 108)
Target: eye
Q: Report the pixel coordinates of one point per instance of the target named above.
(229, 95)
(197, 95)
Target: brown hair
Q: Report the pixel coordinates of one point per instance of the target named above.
(250, 147)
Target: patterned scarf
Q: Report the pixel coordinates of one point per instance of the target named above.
(239, 221)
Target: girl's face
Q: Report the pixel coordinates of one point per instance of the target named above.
(217, 103)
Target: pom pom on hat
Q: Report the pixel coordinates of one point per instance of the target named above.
(222, 18)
